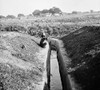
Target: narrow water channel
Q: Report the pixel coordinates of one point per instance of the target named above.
(55, 83)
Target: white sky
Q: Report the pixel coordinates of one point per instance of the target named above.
(14, 7)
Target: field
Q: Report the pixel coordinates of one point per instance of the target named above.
(80, 34)
(57, 26)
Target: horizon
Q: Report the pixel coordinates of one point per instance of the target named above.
(26, 7)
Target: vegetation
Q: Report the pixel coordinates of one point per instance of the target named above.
(55, 10)
(44, 11)
(13, 78)
(15, 28)
(36, 13)
(56, 26)
(2, 17)
(10, 17)
(20, 15)
(51, 11)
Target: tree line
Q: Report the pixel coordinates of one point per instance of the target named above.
(51, 11)
(44, 12)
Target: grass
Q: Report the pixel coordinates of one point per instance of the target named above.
(14, 78)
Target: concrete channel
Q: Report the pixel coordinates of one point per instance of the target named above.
(55, 83)
(63, 79)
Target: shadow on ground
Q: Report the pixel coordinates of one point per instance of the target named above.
(83, 47)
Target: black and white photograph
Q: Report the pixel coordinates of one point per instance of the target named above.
(49, 44)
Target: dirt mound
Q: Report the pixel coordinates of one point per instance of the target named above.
(83, 47)
(22, 62)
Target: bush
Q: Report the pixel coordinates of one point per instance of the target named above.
(45, 11)
(74, 12)
(2, 17)
(13, 28)
(32, 31)
(10, 17)
(20, 15)
(55, 10)
(36, 13)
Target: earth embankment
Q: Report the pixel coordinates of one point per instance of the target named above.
(83, 48)
(22, 62)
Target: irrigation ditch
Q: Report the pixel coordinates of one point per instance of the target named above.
(63, 75)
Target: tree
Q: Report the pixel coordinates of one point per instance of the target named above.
(91, 11)
(10, 17)
(20, 15)
(55, 10)
(74, 12)
(36, 13)
(44, 11)
(2, 17)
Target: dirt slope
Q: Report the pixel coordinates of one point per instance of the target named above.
(22, 62)
(83, 48)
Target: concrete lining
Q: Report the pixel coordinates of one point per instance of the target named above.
(55, 45)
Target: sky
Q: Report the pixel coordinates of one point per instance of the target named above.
(14, 7)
